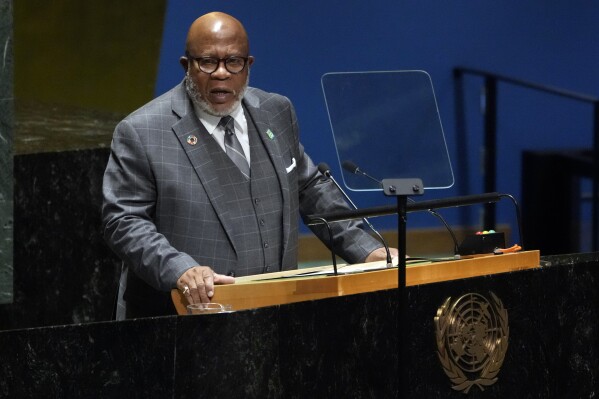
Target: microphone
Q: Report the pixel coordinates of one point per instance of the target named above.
(353, 168)
(325, 170)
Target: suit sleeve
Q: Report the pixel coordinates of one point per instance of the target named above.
(317, 194)
(128, 209)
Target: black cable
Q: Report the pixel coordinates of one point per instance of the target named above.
(323, 220)
(456, 246)
(518, 216)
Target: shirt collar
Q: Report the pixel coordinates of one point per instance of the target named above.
(210, 122)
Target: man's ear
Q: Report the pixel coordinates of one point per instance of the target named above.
(184, 62)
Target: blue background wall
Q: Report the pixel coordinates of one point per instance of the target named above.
(295, 43)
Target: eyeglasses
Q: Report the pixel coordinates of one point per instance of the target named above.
(233, 64)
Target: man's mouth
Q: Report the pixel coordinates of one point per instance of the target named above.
(220, 95)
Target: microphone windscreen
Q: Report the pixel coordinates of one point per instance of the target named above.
(323, 168)
(350, 166)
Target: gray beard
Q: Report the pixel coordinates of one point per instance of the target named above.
(196, 97)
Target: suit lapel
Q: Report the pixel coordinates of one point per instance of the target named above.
(194, 139)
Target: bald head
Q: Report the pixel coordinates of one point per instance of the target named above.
(217, 63)
(212, 27)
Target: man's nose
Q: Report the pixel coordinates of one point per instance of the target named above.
(221, 71)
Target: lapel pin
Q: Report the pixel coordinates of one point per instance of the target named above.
(270, 134)
(192, 140)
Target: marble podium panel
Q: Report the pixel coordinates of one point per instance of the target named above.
(336, 347)
(64, 271)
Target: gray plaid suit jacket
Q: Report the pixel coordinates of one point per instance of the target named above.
(163, 210)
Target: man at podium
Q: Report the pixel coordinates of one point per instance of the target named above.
(205, 182)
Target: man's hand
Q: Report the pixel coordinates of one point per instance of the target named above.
(197, 283)
(381, 254)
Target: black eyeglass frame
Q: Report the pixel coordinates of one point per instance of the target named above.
(219, 60)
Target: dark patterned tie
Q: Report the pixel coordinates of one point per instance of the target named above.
(233, 146)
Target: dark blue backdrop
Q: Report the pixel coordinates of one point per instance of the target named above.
(295, 43)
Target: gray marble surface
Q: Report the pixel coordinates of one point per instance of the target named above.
(42, 127)
(6, 135)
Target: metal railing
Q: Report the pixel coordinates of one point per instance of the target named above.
(490, 134)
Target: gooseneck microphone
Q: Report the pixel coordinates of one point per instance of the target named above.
(325, 170)
(353, 168)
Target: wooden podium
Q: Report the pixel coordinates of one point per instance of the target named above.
(263, 290)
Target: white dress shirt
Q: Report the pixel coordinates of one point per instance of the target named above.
(210, 122)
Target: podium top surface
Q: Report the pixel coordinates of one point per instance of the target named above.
(317, 283)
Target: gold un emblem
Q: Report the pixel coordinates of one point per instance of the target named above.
(472, 339)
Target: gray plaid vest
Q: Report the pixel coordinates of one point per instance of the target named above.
(255, 207)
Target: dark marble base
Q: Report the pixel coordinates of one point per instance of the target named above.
(63, 271)
(340, 348)
(101, 360)
(553, 331)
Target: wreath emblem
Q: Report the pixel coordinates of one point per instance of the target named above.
(472, 339)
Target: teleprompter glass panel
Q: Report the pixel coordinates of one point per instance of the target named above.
(387, 124)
